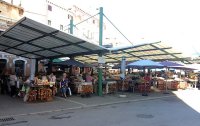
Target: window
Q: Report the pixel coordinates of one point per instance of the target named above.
(49, 7)
(20, 67)
(69, 16)
(61, 27)
(49, 22)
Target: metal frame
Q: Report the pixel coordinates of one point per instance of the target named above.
(68, 40)
(130, 52)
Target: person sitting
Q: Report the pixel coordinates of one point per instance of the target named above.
(64, 86)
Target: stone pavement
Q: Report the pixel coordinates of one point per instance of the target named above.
(16, 107)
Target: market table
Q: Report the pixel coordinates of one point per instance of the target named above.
(110, 87)
(41, 92)
(84, 87)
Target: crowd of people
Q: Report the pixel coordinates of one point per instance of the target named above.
(10, 83)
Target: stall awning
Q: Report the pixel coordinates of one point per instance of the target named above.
(31, 39)
(70, 62)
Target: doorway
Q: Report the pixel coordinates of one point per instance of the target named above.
(3, 63)
(19, 67)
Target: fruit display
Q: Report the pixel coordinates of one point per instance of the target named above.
(32, 96)
(125, 86)
(45, 94)
(43, 82)
(174, 85)
(183, 85)
(161, 84)
(110, 87)
(84, 88)
(144, 87)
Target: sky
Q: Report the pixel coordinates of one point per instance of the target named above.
(175, 22)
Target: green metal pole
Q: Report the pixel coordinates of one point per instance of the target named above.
(101, 26)
(100, 43)
(71, 26)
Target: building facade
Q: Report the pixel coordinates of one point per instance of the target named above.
(10, 14)
(51, 13)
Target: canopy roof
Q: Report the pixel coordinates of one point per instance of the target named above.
(145, 63)
(31, 39)
(170, 64)
(70, 62)
(57, 60)
(157, 51)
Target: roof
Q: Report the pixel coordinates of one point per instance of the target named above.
(70, 62)
(145, 63)
(170, 64)
(31, 39)
(157, 51)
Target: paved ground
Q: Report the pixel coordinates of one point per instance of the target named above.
(15, 106)
(154, 110)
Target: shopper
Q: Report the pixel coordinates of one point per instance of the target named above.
(5, 82)
(13, 81)
(64, 86)
(26, 87)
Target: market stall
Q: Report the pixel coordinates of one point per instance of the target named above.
(42, 91)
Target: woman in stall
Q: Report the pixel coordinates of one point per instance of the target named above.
(89, 78)
(64, 86)
(52, 80)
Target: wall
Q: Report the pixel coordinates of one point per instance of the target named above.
(9, 14)
(10, 66)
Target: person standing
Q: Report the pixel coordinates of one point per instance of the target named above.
(52, 80)
(89, 78)
(13, 80)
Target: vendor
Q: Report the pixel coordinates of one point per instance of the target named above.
(36, 79)
(89, 78)
(52, 78)
(64, 86)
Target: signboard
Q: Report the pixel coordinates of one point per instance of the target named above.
(101, 60)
